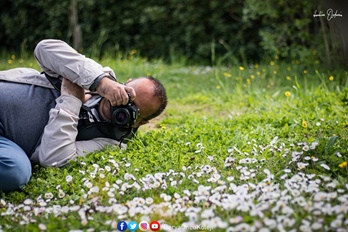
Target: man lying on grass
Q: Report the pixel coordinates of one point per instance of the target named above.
(74, 107)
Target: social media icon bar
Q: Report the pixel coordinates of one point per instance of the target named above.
(133, 226)
(122, 226)
(155, 225)
(144, 226)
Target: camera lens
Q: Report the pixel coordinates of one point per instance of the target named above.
(121, 116)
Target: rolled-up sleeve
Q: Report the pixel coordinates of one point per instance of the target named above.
(56, 58)
(58, 143)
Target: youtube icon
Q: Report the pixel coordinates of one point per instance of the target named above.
(155, 225)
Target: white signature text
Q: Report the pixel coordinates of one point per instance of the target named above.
(330, 14)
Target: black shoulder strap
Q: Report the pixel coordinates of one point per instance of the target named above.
(55, 82)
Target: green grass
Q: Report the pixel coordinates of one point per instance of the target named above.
(238, 148)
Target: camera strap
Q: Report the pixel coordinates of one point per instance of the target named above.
(91, 125)
(55, 82)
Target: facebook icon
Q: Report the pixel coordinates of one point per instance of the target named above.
(122, 226)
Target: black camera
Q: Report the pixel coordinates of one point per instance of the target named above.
(125, 115)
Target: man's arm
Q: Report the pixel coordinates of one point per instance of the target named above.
(58, 143)
(58, 59)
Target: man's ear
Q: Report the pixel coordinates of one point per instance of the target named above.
(143, 122)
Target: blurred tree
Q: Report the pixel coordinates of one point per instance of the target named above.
(203, 31)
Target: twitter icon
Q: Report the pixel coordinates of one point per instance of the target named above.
(133, 226)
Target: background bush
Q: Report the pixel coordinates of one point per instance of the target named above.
(202, 31)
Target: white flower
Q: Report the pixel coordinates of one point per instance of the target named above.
(92, 175)
(173, 183)
(242, 227)
(68, 178)
(42, 226)
(107, 168)
(42, 204)
(156, 184)
(48, 195)
(167, 198)
(128, 176)
(317, 226)
(118, 181)
(208, 213)
(149, 200)
(28, 201)
(325, 166)
(88, 184)
(301, 165)
(61, 193)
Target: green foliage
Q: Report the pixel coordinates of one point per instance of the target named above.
(205, 32)
(273, 117)
(285, 32)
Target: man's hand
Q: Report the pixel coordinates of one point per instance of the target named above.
(69, 88)
(115, 92)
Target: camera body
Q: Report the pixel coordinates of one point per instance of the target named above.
(125, 115)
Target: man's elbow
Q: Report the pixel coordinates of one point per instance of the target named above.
(44, 45)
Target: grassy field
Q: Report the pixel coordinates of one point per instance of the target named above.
(244, 148)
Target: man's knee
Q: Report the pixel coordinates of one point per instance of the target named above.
(15, 166)
(14, 173)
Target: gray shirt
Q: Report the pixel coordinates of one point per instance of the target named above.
(58, 142)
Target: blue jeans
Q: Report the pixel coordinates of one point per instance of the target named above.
(15, 166)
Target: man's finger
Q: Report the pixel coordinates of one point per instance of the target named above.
(131, 92)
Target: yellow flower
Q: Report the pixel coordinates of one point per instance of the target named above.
(305, 71)
(256, 65)
(287, 93)
(227, 74)
(343, 164)
(241, 68)
(252, 76)
(304, 124)
(288, 78)
(218, 87)
(9, 61)
(13, 57)
(331, 78)
(274, 72)
(271, 63)
(248, 81)
(258, 73)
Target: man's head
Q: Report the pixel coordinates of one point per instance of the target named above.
(151, 97)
